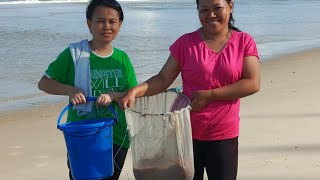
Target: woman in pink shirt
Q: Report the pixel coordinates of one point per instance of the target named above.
(219, 64)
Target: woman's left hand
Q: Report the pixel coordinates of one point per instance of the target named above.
(104, 99)
(200, 99)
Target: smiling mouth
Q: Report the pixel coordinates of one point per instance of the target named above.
(212, 22)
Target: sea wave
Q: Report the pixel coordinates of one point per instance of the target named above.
(4, 2)
(8, 2)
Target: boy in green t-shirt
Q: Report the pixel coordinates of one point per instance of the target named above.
(111, 74)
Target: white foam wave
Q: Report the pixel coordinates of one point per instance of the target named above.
(67, 1)
(43, 2)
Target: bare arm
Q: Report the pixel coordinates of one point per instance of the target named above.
(154, 85)
(54, 87)
(106, 99)
(249, 84)
(75, 94)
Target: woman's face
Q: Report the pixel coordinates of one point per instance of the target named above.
(104, 24)
(214, 15)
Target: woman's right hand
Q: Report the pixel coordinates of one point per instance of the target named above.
(76, 96)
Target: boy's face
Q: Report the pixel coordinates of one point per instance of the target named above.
(105, 24)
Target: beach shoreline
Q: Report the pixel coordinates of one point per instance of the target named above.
(278, 135)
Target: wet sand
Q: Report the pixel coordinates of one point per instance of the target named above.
(279, 134)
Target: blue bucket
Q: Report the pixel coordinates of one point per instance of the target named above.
(89, 145)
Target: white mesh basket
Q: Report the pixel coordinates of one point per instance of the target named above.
(161, 140)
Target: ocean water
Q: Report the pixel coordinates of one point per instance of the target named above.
(33, 33)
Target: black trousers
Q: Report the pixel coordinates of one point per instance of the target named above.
(220, 158)
(118, 163)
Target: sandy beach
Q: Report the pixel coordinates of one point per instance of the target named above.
(279, 136)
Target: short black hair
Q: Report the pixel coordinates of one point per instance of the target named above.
(108, 3)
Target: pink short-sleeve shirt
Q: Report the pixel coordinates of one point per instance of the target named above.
(204, 69)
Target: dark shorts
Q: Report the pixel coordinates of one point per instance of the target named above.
(118, 164)
(220, 158)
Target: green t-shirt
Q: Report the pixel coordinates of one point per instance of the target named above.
(108, 74)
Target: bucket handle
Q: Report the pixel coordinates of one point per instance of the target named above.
(110, 108)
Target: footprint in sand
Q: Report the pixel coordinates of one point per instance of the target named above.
(15, 152)
(14, 147)
(40, 165)
(40, 157)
